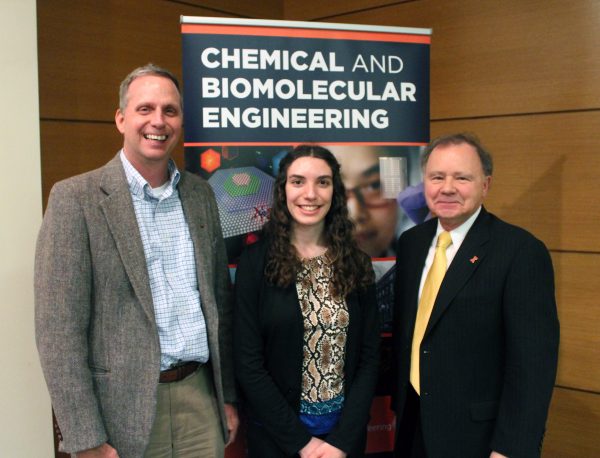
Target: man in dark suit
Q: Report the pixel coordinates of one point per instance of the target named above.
(476, 350)
(133, 308)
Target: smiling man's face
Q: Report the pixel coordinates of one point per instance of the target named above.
(455, 183)
(152, 121)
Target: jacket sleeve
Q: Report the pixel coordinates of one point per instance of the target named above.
(63, 304)
(265, 400)
(532, 335)
(357, 404)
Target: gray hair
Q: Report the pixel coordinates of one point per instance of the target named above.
(457, 139)
(147, 70)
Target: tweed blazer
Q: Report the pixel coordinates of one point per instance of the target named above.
(94, 315)
(489, 353)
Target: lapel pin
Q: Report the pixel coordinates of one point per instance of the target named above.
(473, 259)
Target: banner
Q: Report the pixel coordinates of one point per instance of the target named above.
(254, 89)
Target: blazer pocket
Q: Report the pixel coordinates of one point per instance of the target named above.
(99, 372)
(483, 411)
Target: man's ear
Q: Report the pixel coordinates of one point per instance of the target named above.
(487, 183)
(120, 120)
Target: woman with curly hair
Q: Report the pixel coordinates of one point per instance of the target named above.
(306, 332)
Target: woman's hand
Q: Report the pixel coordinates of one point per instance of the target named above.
(309, 449)
(325, 450)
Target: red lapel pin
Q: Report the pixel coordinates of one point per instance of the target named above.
(473, 259)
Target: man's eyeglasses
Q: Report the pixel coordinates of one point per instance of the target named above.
(368, 194)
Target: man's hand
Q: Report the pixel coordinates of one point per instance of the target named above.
(326, 450)
(497, 455)
(233, 421)
(103, 451)
(309, 449)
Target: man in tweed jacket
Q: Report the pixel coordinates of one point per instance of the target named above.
(133, 310)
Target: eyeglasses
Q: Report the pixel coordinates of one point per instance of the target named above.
(368, 194)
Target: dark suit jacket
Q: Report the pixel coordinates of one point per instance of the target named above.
(489, 354)
(94, 314)
(268, 340)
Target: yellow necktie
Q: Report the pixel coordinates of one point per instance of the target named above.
(430, 289)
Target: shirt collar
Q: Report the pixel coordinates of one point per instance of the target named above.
(138, 186)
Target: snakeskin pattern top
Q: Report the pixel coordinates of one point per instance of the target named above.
(326, 322)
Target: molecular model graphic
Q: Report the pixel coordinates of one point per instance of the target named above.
(244, 198)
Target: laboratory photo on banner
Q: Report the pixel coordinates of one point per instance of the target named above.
(384, 192)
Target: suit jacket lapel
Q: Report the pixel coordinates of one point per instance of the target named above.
(120, 216)
(466, 261)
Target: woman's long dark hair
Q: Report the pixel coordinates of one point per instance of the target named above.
(351, 267)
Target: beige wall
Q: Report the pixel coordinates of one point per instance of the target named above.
(24, 404)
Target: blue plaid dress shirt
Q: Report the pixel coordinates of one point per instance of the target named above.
(171, 264)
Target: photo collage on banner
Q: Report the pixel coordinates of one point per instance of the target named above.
(254, 89)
